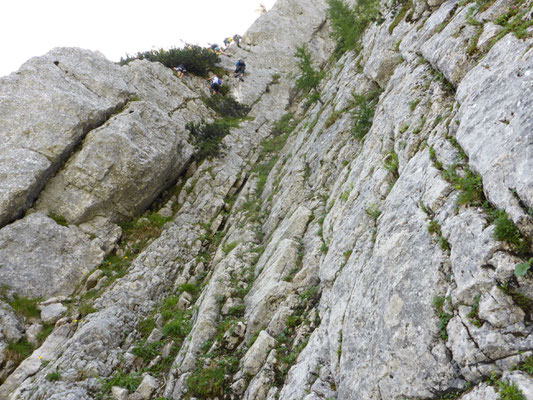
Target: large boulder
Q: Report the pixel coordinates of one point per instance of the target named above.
(48, 106)
(40, 258)
(121, 168)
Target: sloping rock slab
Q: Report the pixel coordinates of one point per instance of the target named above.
(121, 168)
(40, 258)
(47, 108)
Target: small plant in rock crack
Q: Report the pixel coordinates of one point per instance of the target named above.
(509, 391)
(522, 269)
(444, 317)
(473, 315)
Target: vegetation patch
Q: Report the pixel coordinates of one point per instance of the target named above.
(309, 78)
(473, 315)
(363, 112)
(208, 136)
(227, 106)
(444, 317)
(25, 307)
(196, 60)
(506, 231)
(348, 24)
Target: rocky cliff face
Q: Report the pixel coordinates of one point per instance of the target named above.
(359, 247)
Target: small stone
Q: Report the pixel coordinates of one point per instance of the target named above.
(32, 332)
(145, 389)
(155, 336)
(92, 280)
(52, 313)
(120, 393)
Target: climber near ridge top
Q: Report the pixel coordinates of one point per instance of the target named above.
(180, 69)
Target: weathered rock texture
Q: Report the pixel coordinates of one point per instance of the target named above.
(300, 263)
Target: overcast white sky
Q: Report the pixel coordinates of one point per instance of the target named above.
(31, 28)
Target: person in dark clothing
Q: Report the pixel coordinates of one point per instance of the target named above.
(180, 69)
(240, 69)
(216, 83)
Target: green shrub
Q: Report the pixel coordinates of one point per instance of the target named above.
(506, 231)
(179, 328)
(227, 106)
(208, 137)
(509, 391)
(522, 269)
(237, 311)
(207, 382)
(392, 164)
(196, 60)
(189, 288)
(25, 306)
(146, 327)
(18, 351)
(363, 113)
(309, 78)
(444, 318)
(147, 351)
(473, 315)
(59, 219)
(127, 381)
(53, 376)
(286, 124)
(228, 247)
(349, 24)
(527, 365)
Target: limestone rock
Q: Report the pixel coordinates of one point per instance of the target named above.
(146, 389)
(42, 259)
(120, 393)
(64, 94)
(121, 168)
(52, 313)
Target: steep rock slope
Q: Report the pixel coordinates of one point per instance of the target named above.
(309, 262)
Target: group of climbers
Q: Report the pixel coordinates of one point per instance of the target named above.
(215, 81)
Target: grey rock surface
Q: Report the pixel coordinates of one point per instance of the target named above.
(326, 266)
(43, 259)
(64, 94)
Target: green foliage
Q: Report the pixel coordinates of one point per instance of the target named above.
(509, 391)
(53, 376)
(227, 106)
(228, 247)
(237, 310)
(522, 301)
(309, 78)
(179, 327)
(267, 159)
(527, 365)
(392, 164)
(469, 184)
(18, 351)
(59, 219)
(286, 124)
(146, 326)
(25, 306)
(128, 381)
(506, 231)
(363, 113)
(400, 16)
(413, 104)
(208, 136)
(473, 315)
(373, 211)
(349, 24)
(46, 330)
(147, 351)
(522, 269)
(189, 288)
(209, 382)
(444, 317)
(196, 60)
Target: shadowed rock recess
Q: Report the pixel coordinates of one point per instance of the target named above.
(362, 245)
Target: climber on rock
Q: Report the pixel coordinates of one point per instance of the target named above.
(180, 69)
(237, 39)
(240, 69)
(216, 83)
(227, 41)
